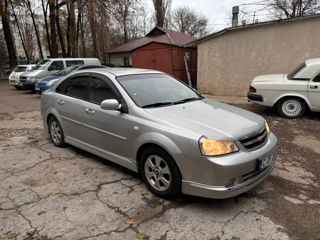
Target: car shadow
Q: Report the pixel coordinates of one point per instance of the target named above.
(182, 200)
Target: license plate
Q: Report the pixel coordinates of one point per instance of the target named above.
(267, 161)
(37, 89)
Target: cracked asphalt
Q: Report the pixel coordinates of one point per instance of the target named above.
(53, 193)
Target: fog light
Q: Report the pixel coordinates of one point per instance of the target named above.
(238, 180)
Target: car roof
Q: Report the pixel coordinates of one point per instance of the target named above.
(25, 65)
(71, 59)
(121, 71)
(313, 61)
(90, 65)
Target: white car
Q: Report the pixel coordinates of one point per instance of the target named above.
(292, 94)
(14, 77)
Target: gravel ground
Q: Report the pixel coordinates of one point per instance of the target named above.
(53, 193)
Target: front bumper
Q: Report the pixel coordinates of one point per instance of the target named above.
(221, 180)
(13, 81)
(28, 84)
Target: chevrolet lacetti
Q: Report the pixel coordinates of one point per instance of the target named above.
(153, 124)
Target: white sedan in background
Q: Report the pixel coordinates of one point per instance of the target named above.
(292, 94)
(14, 77)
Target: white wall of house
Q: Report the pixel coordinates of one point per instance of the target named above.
(118, 59)
(228, 63)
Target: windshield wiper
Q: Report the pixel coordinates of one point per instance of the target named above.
(187, 100)
(158, 104)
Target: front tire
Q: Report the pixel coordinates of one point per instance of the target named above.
(56, 133)
(160, 173)
(291, 108)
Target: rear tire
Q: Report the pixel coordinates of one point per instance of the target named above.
(160, 173)
(291, 108)
(56, 133)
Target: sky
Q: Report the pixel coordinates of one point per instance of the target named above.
(217, 11)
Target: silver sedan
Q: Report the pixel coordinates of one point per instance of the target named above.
(155, 125)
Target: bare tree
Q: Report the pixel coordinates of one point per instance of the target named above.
(35, 28)
(54, 46)
(293, 8)
(161, 7)
(121, 11)
(5, 16)
(59, 30)
(23, 40)
(45, 5)
(187, 20)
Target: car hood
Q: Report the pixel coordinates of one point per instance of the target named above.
(210, 118)
(270, 78)
(47, 79)
(32, 73)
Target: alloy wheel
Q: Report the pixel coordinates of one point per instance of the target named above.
(157, 173)
(55, 131)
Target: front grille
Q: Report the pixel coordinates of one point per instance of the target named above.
(255, 140)
(23, 77)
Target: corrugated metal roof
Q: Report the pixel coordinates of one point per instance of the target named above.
(167, 36)
(216, 34)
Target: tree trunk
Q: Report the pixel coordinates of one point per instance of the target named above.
(78, 22)
(20, 34)
(72, 28)
(61, 40)
(54, 46)
(68, 33)
(45, 12)
(84, 54)
(125, 28)
(35, 29)
(93, 31)
(8, 34)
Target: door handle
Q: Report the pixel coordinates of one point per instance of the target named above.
(89, 111)
(60, 101)
(313, 87)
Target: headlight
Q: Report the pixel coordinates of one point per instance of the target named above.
(31, 78)
(267, 127)
(52, 81)
(210, 147)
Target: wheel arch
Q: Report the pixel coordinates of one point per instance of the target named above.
(156, 140)
(293, 95)
(53, 113)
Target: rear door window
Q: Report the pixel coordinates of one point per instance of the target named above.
(76, 87)
(74, 62)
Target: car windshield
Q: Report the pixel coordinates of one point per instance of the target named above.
(296, 70)
(155, 90)
(20, 69)
(66, 71)
(42, 65)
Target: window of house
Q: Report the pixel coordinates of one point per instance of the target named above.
(126, 61)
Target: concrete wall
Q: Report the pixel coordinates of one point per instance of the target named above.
(117, 58)
(228, 63)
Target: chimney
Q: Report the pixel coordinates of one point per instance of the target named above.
(235, 16)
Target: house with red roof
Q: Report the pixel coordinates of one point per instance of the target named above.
(161, 49)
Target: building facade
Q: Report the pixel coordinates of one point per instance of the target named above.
(230, 59)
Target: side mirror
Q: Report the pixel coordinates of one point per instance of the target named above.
(110, 104)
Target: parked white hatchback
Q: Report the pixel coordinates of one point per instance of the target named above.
(14, 77)
(292, 94)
